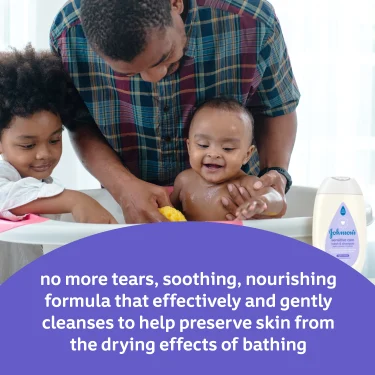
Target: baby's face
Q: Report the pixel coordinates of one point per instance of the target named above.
(33, 145)
(219, 144)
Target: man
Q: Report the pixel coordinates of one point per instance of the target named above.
(142, 67)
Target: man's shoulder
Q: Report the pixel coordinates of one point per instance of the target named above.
(261, 10)
(67, 17)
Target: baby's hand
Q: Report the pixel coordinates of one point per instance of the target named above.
(88, 210)
(254, 206)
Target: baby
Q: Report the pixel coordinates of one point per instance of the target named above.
(219, 144)
(35, 100)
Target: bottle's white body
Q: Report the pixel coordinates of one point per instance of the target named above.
(325, 208)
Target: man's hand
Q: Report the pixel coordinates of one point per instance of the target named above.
(140, 202)
(240, 192)
(272, 179)
(248, 187)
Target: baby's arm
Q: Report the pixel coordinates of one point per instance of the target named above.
(269, 203)
(266, 202)
(176, 194)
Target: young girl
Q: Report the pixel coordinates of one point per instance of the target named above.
(219, 144)
(36, 99)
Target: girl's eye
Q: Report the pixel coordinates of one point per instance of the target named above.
(202, 146)
(27, 147)
(228, 149)
(54, 141)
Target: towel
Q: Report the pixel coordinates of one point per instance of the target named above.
(6, 225)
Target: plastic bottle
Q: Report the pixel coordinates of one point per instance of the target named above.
(339, 221)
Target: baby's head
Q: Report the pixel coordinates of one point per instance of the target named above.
(34, 102)
(220, 139)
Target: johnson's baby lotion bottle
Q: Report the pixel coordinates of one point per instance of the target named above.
(339, 221)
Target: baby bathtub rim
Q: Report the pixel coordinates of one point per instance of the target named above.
(31, 234)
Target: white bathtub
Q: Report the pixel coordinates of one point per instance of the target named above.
(296, 224)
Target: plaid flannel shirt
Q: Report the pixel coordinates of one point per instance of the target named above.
(234, 48)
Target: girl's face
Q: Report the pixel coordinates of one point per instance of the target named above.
(33, 144)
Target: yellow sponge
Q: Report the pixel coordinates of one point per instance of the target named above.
(172, 214)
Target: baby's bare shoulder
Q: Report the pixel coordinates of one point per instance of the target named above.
(187, 176)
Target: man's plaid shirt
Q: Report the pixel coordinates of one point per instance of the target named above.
(234, 48)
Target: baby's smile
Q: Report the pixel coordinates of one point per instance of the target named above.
(213, 167)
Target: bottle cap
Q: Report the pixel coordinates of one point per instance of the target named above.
(340, 185)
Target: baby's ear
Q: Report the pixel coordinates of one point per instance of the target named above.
(188, 145)
(248, 154)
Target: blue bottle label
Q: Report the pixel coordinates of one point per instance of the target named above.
(342, 240)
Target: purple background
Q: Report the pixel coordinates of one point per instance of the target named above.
(185, 248)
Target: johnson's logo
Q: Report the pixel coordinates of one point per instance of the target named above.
(338, 232)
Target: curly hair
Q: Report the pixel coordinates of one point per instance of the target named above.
(31, 82)
(227, 103)
(119, 28)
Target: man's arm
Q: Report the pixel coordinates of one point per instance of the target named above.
(139, 200)
(275, 138)
(274, 108)
(98, 157)
(91, 147)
